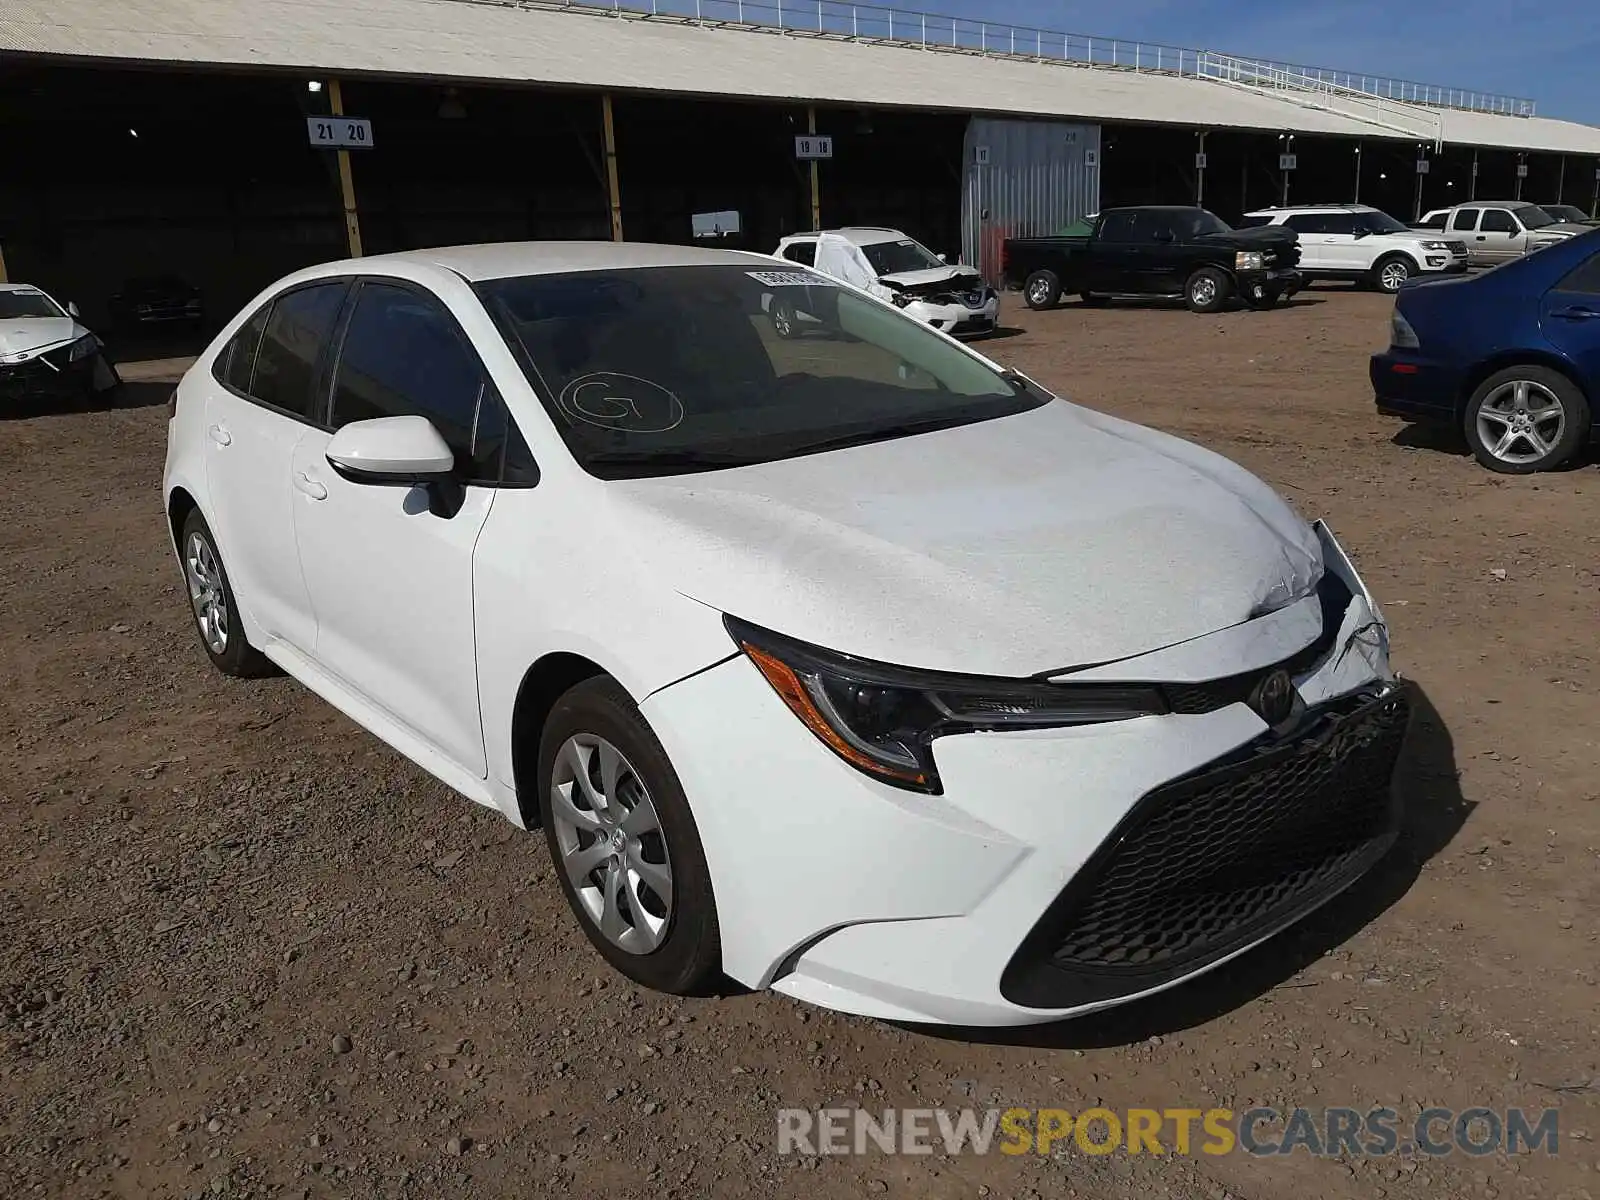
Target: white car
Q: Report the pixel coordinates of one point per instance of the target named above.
(45, 351)
(896, 268)
(1497, 231)
(1362, 244)
(854, 667)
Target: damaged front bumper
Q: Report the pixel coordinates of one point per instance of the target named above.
(956, 907)
(54, 375)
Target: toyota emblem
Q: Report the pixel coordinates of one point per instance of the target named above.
(1273, 698)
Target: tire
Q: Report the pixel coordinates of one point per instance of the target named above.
(1042, 290)
(1389, 274)
(1541, 420)
(1207, 291)
(1093, 300)
(667, 943)
(210, 593)
(785, 323)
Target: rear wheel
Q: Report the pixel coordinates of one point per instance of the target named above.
(1526, 419)
(1042, 290)
(624, 843)
(1390, 274)
(1207, 290)
(212, 603)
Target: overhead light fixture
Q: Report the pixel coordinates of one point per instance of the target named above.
(313, 85)
(133, 133)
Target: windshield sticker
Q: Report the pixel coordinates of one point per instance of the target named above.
(787, 279)
(610, 400)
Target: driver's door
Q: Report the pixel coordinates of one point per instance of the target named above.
(389, 573)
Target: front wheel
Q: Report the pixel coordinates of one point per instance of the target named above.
(624, 843)
(1526, 419)
(1042, 290)
(1390, 274)
(1206, 291)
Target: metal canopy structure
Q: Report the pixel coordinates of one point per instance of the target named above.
(621, 51)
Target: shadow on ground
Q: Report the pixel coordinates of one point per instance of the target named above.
(1435, 811)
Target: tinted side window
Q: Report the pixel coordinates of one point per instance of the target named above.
(1497, 220)
(238, 362)
(403, 355)
(1119, 227)
(299, 328)
(1585, 279)
(1465, 220)
(1254, 222)
(1339, 223)
(1307, 223)
(804, 253)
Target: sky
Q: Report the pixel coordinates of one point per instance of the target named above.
(1549, 53)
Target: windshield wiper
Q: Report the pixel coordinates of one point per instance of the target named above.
(704, 459)
(883, 434)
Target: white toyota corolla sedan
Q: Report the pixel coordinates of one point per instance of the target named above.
(850, 665)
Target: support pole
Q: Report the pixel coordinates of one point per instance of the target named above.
(1521, 162)
(816, 175)
(4, 278)
(1472, 188)
(1357, 197)
(347, 182)
(613, 191)
(1561, 179)
(1200, 176)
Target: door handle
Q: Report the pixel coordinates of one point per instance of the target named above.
(220, 436)
(310, 486)
(1481, 238)
(1577, 313)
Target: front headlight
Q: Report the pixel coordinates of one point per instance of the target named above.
(1248, 260)
(1401, 335)
(82, 348)
(883, 720)
(1436, 245)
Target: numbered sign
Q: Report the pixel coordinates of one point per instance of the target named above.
(813, 146)
(1288, 162)
(1423, 166)
(340, 133)
(1522, 170)
(980, 155)
(1200, 161)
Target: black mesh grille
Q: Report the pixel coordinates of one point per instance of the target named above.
(1209, 863)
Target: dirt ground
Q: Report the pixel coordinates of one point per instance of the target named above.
(247, 950)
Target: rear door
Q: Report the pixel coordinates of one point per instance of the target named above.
(1315, 242)
(1569, 315)
(1115, 261)
(390, 575)
(258, 408)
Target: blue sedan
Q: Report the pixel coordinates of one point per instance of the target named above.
(1510, 357)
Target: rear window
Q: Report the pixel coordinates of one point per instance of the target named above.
(663, 370)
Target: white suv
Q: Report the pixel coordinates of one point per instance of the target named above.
(899, 269)
(1353, 241)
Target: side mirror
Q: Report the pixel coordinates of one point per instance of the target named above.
(72, 310)
(391, 451)
(944, 258)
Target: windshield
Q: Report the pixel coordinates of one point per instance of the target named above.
(1564, 212)
(662, 370)
(27, 304)
(1382, 222)
(893, 258)
(1533, 217)
(1204, 223)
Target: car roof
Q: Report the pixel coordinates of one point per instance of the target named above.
(20, 287)
(504, 260)
(1307, 208)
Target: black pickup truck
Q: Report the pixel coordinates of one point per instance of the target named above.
(1157, 251)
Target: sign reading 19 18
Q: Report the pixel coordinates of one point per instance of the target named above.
(340, 133)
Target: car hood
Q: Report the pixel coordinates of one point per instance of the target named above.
(1255, 238)
(1563, 229)
(22, 335)
(1035, 543)
(966, 276)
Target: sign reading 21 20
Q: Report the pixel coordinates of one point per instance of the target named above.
(340, 133)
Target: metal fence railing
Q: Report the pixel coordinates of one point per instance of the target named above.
(933, 31)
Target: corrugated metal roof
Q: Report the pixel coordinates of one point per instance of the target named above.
(450, 39)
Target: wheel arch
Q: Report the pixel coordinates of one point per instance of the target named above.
(1473, 379)
(543, 683)
(180, 503)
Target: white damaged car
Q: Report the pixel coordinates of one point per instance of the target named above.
(46, 352)
(852, 666)
(896, 268)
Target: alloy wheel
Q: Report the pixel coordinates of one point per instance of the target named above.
(1204, 290)
(611, 843)
(206, 593)
(1521, 422)
(1393, 276)
(1039, 293)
